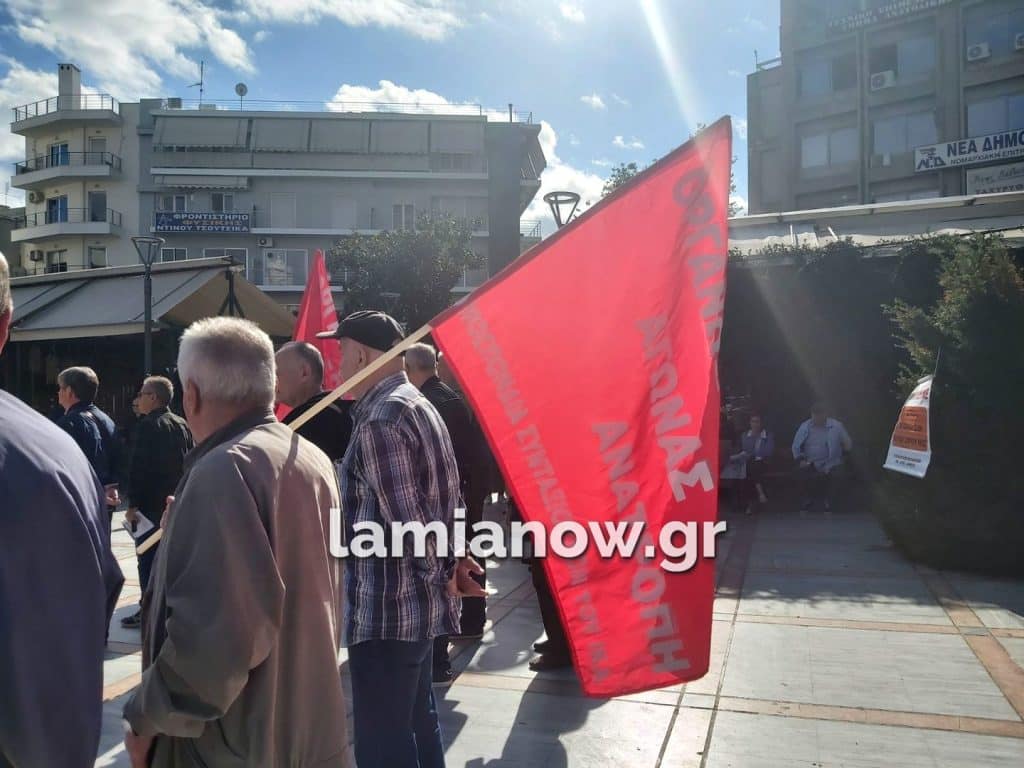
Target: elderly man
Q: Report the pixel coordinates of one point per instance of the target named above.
(59, 583)
(400, 468)
(300, 382)
(818, 447)
(242, 625)
(90, 427)
(421, 367)
(162, 440)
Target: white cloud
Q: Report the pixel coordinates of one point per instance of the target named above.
(620, 101)
(19, 86)
(425, 19)
(734, 73)
(633, 143)
(573, 141)
(388, 92)
(260, 36)
(750, 21)
(572, 12)
(562, 177)
(740, 203)
(126, 45)
(594, 101)
(739, 128)
(602, 162)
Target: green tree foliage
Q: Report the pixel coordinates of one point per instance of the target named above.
(409, 274)
(620, 174)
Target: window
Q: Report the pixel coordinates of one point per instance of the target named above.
(173, 254)
(279, 266)
(56, 261)
(59, 155)
(97, 150)
(910, 59)
(97, 255)
(172, 203)
(57, 209)
(894, 197)
(403, 217)
(1002, 113)
(837, 147)
(884, 59)
(222, 202)
(821, 76)
(998, 30)
(902, 133)
(240, 255)
(97, 206)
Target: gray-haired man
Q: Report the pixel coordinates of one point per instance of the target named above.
(242, 624)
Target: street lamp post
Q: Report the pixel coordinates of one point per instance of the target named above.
(563, 206)
(149, 250)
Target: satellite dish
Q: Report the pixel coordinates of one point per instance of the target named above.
(241, 90)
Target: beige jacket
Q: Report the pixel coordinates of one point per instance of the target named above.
(242, 610)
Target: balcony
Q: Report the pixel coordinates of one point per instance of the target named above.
(91, 107)
(46, 169)
(66, 221)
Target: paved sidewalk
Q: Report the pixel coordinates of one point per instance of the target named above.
(829, 649)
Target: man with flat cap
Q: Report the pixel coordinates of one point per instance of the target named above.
(400, 468)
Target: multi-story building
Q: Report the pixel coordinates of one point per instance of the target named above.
(884, 100)
(267, 186)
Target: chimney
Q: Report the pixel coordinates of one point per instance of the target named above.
(69, 86)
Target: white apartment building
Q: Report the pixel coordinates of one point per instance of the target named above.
(267, 185)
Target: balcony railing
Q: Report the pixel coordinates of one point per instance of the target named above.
(70, 216)
(90, 101)
(402, 108)
(60, 159)
(530, 229)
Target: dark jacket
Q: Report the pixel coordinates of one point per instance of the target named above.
(330, 430)
(94, 432)
(59, 583)
(161, 441)
(456, 417)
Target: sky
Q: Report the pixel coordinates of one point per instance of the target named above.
(609, 81)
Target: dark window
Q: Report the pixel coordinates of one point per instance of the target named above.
(884, 59)
(844, 72)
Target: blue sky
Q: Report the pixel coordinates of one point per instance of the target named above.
(613, 81)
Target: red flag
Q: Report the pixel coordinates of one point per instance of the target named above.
(317, 313)
(592, 364)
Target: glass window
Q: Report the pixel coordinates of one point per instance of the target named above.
(238, 254)
(889, 136)
(842, 146)
(172, 203)
(814, 151)
(1015, 110)
(916, 56)
(844, 72)
(173, 254)
(814, 78)
(97, 256)
(222, 202)
(403, 217)
(986, 117)
(280, 266)
(884, 59)
(921, 130)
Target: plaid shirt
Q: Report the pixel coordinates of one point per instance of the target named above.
(400, 467)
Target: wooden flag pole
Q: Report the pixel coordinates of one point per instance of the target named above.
(149, 543)
(364, 374)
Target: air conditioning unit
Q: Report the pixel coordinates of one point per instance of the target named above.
(35, 197)
(1018, 42)
(36, 255)
(174, 103)
(266, 242)
(978, 52)
(882, 80)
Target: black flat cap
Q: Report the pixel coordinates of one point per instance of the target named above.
(374, 329)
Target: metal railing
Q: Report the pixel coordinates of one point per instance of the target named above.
(531, 229)
(61, 159)
(70, 216)
(396, 107)
(769, 64)
(92, 101)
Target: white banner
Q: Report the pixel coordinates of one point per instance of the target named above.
(980, 149)
(996, 178)
(910, 449)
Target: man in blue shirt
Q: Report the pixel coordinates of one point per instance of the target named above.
(818, 448)
(88, 426)
(59, 583)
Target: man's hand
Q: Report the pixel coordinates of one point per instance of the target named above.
(138, 748)
(112, 497)
(167, 511)
(131, 514)
(461, 584)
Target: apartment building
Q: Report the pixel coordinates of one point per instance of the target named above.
(884, 100)
(265, 185)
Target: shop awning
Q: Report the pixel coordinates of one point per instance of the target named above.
(109, 302)
(183, 181)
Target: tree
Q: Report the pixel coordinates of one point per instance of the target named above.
(409, 274)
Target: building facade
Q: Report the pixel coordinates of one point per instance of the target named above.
(885, 100)
(266, 186)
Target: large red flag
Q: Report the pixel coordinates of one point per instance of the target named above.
(591, 362)
(317, 313)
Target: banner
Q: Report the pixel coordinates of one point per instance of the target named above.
(316, 314)
(980, 149)
(910, 449)
(591, 362)
(186, 221)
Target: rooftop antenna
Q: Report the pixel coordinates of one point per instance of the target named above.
(241, 89)
(202, 76)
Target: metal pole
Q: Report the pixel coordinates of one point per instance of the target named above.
(147, 333)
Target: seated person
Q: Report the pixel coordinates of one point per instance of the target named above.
(818, 448)
(757, 445)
